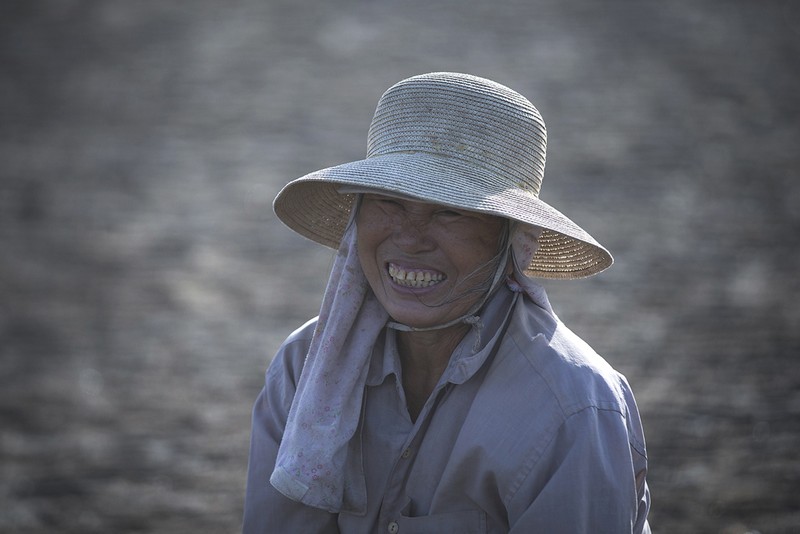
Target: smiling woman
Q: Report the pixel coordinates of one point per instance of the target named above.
(437, 391)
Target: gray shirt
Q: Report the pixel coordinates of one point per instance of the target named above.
(527, 431)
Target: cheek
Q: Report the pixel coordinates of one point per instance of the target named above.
(363, 233)
(373, 227)
(363, 248)
(367, 241)
(475, 245)
(370, 223)
(491, 236)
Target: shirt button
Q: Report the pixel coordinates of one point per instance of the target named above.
(394, 528)
(406, 454)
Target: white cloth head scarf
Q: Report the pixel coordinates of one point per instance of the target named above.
(324, 416)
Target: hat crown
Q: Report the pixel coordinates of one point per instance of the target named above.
(472, 119)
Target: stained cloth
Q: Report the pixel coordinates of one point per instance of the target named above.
(325, 411)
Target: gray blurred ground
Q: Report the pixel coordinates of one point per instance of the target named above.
(145, 283)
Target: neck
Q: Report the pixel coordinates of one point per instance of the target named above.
(430, 349)
(424, 357)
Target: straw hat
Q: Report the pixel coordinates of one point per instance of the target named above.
(457, 140)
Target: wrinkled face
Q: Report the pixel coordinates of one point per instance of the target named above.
(426, 263)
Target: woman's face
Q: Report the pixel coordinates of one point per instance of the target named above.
(426, 263)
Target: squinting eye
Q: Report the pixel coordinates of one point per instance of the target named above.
(388, 203)
(381, 201)
(449, 213)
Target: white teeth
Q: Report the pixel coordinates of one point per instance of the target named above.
(414, 278)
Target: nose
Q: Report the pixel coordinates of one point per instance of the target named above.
(412, 235)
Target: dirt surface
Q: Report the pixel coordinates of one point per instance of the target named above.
(145, 282)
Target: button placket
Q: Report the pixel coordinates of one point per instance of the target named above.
(393, 500)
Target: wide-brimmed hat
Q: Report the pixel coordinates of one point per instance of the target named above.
(457, 140)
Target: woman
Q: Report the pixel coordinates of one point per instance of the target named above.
(437, 391)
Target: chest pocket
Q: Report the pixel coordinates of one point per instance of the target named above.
(466, 522)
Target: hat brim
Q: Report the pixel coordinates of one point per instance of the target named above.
(313, 207)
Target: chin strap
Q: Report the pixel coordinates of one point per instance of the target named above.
(470, 319)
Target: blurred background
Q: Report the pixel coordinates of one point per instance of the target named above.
(145, 282)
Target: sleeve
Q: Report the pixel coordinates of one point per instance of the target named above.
(266, 509)
(589, 479)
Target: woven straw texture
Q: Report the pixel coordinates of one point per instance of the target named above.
(457, 140)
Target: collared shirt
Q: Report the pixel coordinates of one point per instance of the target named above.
(531, 432)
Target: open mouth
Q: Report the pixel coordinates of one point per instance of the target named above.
(414, 277)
